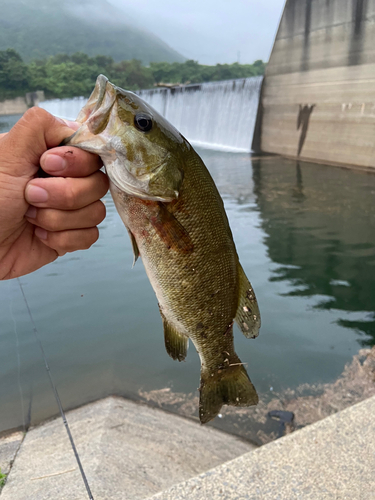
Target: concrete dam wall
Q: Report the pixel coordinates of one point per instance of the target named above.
(20, 105)
(318, 95)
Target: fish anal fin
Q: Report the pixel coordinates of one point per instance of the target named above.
(171, 231)
(176, 344)
(247, 315)
(226, 386)
(134, 247)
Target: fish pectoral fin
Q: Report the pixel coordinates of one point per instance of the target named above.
(229, 385)
(247, 315)
(134, 247)
(176, 343)
(171, 231)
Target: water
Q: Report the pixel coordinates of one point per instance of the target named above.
(305, 235)
(216, 115)
(6, 122)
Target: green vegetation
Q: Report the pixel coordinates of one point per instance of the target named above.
(192, 72)
(45, 28)
(14, 78)
(68, 76)
(2, 479)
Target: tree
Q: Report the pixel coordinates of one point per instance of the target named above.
(14, 75)
(131, 75)
(66, 75)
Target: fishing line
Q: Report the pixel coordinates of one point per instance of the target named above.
(18, 361)
(57, 397)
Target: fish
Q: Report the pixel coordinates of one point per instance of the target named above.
(177, 224)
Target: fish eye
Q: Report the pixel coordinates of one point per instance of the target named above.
(143, 122)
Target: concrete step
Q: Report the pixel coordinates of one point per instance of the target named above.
(9, 446)
(128, 450)
(333, 459)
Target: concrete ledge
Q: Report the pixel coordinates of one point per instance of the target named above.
(331, 459)
(128, 450)
(9, 447)
(15, 106)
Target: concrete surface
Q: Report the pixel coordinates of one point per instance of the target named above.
(20, 105)
(9, 446)
(128, 451)
(323, 57)
(331, 459)
(15, 106)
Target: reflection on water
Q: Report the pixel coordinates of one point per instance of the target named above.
(305, 235)
(320, 227)
(7, 122)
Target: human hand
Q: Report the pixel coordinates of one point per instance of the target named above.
(43, 218)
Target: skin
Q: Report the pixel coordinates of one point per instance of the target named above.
(44, 218)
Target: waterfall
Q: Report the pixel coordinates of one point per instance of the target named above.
(64, 108)
(217, 115)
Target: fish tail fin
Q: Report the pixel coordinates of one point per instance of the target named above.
(226, 385)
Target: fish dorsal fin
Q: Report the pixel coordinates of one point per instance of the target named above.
(176, 343)
(247, 316)
(134, 247)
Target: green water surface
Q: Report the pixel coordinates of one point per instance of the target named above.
(305, 235)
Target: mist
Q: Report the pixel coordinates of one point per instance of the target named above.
(210, 31)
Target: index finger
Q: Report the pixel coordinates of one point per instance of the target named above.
(68, 161)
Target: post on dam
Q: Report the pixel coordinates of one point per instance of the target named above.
(318, 95)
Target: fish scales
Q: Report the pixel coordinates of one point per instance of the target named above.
(197, 291)
(177, 224)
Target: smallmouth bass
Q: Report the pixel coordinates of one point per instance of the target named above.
(177, 224)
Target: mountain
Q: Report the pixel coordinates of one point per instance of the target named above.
(41, 28)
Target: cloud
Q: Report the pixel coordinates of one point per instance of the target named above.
(210, 31)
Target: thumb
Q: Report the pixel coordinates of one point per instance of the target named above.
(22, 147)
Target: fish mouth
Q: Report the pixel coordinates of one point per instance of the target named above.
(94, 116)
(95, 100)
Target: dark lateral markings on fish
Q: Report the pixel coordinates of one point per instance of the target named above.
(176, 221)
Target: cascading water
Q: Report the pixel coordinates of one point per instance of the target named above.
(64, 108)
(217, 115)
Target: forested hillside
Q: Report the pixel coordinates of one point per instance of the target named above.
(40, 28)
(68, 76)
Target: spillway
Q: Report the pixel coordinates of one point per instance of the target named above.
(218, 115)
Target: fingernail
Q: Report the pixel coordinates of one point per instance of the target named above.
(41, 233)
(73, 125)
(31, 212)
(36, 194)
(54, 163)
(68, 123)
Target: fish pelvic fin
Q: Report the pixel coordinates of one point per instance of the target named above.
(247, 315)
(134, 247)
(176, 344)
(228, 385)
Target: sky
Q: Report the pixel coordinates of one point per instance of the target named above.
(210, 31)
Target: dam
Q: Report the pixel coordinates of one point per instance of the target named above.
(318, 95)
